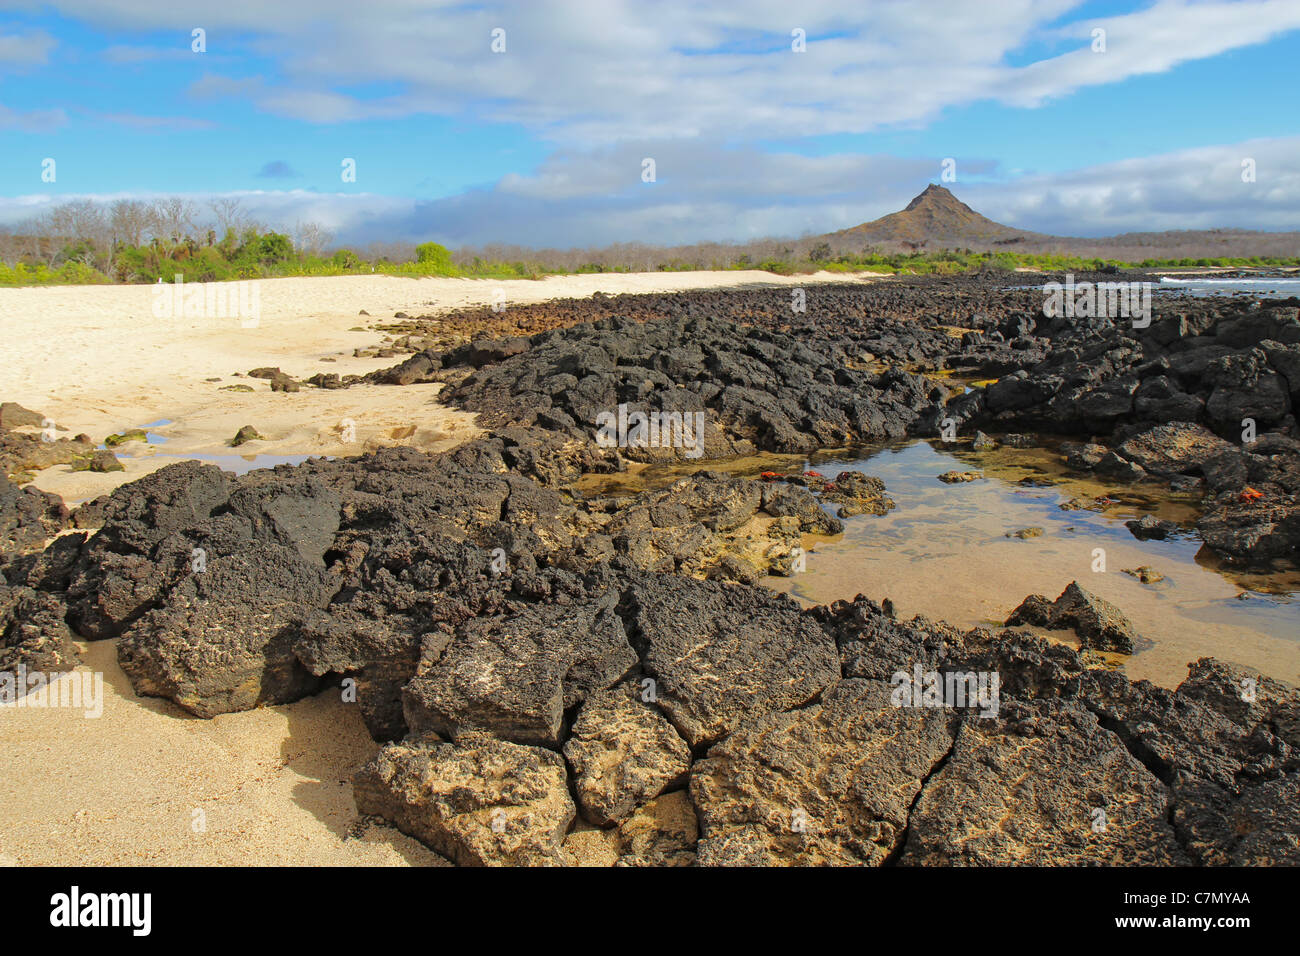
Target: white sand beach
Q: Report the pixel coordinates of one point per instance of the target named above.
(273, 783)
(97, 361)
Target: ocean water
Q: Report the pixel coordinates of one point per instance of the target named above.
(1268, 286)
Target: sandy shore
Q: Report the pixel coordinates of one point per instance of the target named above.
(96, 360)
(271, 784)
(145, 783)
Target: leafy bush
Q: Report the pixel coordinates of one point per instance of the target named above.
(274, 247)
(434, 257)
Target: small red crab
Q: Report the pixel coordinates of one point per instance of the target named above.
(769, 476)
(1250, 494)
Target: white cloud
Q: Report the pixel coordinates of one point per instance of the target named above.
(707, 193)
(590, 72)
(21, 50)
(1190, 189)
(32, 121)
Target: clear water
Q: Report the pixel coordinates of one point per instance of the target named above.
(943, 551)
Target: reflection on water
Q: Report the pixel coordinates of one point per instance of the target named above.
(944, 552)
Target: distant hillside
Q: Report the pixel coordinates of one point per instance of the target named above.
(936, 220)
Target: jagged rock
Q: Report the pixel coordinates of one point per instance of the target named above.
(483, 802)
(1245, 696)
(223, 641)
(33, 633)
(831, 784)
(794, 502)
(661, 833)
(873, 644)
(117, 576)
(720, 654)
(28, 517)
(1252, 531)
(957, 477)
(245, 434)
(754, 387)
(1257, 828)
(1044, 783)
(1100, 625)
(1174, 448)
(1149, 526)
(623, 754)
(515, 676)
(1173, 732)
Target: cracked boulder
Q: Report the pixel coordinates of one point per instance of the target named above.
(661, 833)
(1043, 784)
(223, 640)
(723, 653)
(831, 784)
(514, 676)
(623, 754)
(482, 802)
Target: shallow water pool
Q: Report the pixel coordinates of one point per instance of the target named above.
(943, 551)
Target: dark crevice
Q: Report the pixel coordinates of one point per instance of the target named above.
(900, 847)
(1135, 746)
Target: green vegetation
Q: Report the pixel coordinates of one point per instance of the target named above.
(135, 434)
(133, 242)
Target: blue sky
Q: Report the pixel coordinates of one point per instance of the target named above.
(543, 144)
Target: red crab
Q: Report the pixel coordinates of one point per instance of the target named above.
(1250, 494)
